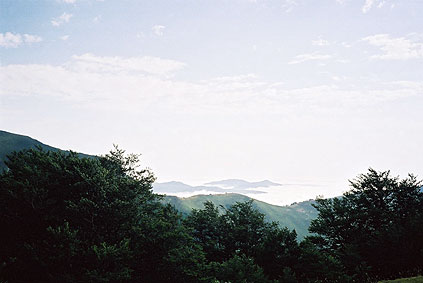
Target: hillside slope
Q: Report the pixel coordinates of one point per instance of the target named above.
(296, 216)
(10, 142)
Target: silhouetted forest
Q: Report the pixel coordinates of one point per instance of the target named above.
(67, 218)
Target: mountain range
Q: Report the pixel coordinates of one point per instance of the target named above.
(242, 184)
(13, 142)
(10, 142)
(179, 187)
(296, 216)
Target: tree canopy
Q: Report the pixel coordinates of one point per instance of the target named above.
(67, 218)
(376, 228)
(71, 219)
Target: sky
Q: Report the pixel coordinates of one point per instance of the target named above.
(294, 91)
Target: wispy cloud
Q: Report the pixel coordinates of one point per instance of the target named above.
(320, 42)
(342, 2)
(64, 18)
(29, 38)
(399, 48)
(369, 4)
(68, 1)
(10, 40)
(158, 30)
(13, 40)
(97, 19)
(309, 57)
(289, 5)
(135, 83)
(151, 65)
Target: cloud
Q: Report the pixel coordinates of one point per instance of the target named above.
(320, 42)
(89, 81)
(400, 48)
(346, 44)
(138, 84)
(151, 65)
(64, 37)
(369, 4)
(11, 40)
(68, 1)
(289, 5)
(309, 57)
(64, 18)
(29, 38)
(97, 19)
(158, 30)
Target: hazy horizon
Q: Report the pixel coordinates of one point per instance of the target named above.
(292, 91)
(284, 194)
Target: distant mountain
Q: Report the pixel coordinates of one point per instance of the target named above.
(242, 184)
(296, 216)
(10, 142)
(178, 187)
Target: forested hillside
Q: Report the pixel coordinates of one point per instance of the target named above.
(67, 218)
(10, 142)
(295, 217)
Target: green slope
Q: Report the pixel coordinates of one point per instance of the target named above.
(296, 216)
(418, 279)
(10, 142)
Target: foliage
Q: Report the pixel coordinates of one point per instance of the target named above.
(205, 227)
(238, 269)
(375, 229)
(71, 219)
(418, 279)
(241, 234)
(66, 218)
(296, 216)
(10, 142)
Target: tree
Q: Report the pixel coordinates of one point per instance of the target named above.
(278, 253)
(164, 251)
(240, 235)
(206, 228)
(238, 269)
(240, 229)
(244, 228)
(313, 265)
(71, 219)
(376, 228)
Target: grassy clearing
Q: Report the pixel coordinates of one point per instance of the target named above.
(418, 279)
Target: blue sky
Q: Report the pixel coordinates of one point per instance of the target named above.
(287, 90)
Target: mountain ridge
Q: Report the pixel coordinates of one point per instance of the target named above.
(295, 216)
(10, 142)
(242, 184)
(180, 187)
